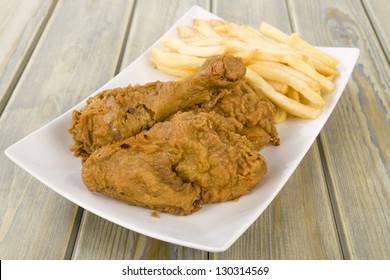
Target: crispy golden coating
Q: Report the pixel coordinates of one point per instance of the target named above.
(251, 108)
(178, 165)
(173, 146)
(118, 113)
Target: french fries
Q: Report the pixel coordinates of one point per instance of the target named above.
(279, 75)
(279, 87)
(291, 106)
(292, 73)
(308, 70)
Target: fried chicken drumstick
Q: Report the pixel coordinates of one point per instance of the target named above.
(218, 86)
(178, 165)
(118, 113)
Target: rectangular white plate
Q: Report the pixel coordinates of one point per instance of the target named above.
(45, 155)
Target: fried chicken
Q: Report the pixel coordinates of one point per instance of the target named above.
(173, 146)
(252, 109)
(178, 165)
(116, 114)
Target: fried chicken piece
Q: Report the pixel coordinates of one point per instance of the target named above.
(178, 165)
(116, 114)
(252, 109)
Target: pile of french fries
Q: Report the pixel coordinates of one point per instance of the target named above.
(293, 74)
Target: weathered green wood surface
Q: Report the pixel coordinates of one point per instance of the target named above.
(355, 140)
(21, 24)
(76, 54)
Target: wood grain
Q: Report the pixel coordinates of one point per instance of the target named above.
(153, 18)
(378, 12)
(355, 140)
(299, 223)
(77, 53)
(21, 23)
(158, 16)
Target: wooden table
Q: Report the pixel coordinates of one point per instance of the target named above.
(335, 206)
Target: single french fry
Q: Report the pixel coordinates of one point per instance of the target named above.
(179, 46)
(279, 87)
(292, 107)
(215, 22)
(188, 32)
(296, 41)
(321, 67)
(273, 32)
(265, 56)
(280, 115)
(331, 77)
(233, 45)
(309, 70)
(205, 29)
(171, 70)
(212, 22)
(276, 55)
(276, 74)
(177, 60)
(204, 41)
(222, 29)
(247, 56)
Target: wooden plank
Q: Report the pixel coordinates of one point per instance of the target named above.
(98, 238)
(253, 12)
(77, 53)
(299, 223)
(356, 138)
(378, 12)
(160, 15)
(21, 23)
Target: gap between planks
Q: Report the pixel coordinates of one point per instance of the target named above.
(74, 233)
(30, 49)
(326, 172)
(332, 199)
(125, 38)
(368, 15)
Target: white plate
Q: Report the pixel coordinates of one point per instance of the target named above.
(45, 155)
